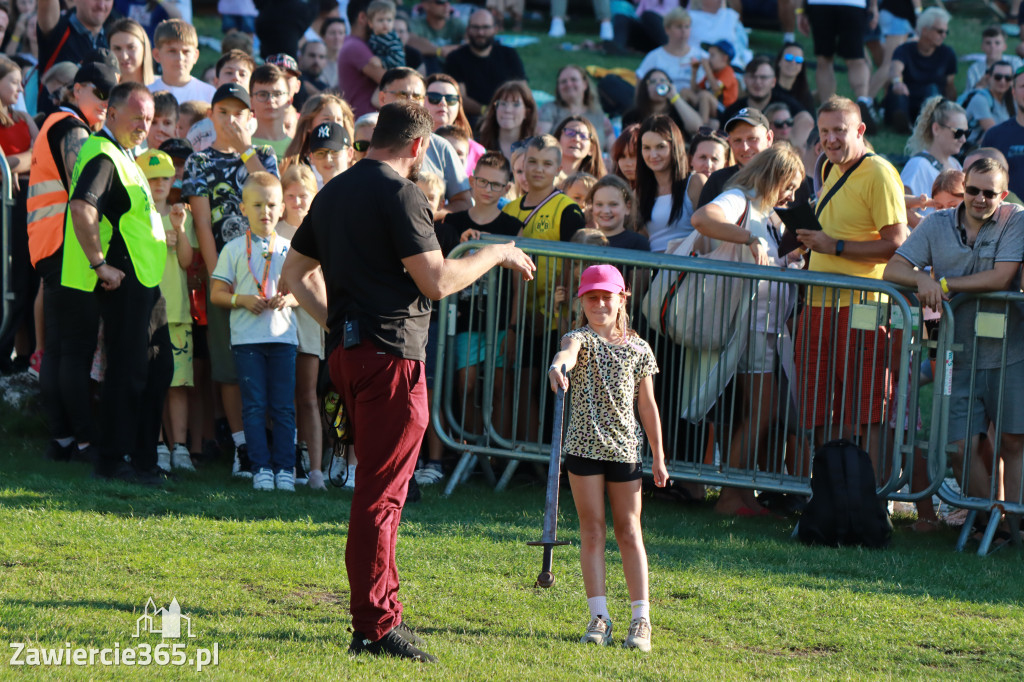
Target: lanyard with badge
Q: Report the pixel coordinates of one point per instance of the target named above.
(261, 286)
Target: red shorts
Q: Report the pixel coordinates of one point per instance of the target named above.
(843, 374)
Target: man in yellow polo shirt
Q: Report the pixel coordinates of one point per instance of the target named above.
(842, 373)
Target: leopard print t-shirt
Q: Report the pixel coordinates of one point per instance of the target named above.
(604, 386)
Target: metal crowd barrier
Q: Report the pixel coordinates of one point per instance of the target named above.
(6, 203)
(752, 430)
(988, 475)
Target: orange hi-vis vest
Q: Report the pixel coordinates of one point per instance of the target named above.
(47, 195)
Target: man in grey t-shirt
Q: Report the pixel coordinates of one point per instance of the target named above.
(976, 248)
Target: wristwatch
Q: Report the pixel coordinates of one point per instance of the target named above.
(840, 245)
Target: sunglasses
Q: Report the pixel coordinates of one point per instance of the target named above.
(437, 98)
(487, 184)
(581, 135)
(1002, 77)
(972, 191)
(405, 94)
(361, 145)
(957, 132)
(795, 58)
(520, 144)
(705, 131)
(783, 123)
(101, 96)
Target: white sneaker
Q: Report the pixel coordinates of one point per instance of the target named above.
(241, 467)
(163, 458)
(263, 480)
(639, 635)
(285, 480)
(606, 31)
(598, 632)
(428, 475)
(557, 28)
(350, 482)
(316, 480)
(181, 459)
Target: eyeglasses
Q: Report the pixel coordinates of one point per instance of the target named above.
(1002, 77)
(573, 134)
(972, 191)
(477, 27)
(361, 145)
(509, 103)
(437, 98)
(957, 132)
(405, 94)
(267, 95)
(101, 96)
(705, 131)
(795, 58)
(783, 123)
(941, 31)
(487, 184)
(762, 77)
(327, 153)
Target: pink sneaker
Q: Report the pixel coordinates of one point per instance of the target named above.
(34, 363)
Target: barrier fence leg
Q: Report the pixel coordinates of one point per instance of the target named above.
(465, 461)
(506, 476)
(994, 517)
(965, 532)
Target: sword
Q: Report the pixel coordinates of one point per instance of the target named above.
(548, 538)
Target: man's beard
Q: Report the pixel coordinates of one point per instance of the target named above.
(481, 44)
(414, 173)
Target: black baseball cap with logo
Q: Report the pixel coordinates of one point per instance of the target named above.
(102, 77)
(748, 115)
(232, 91)
(332, 136)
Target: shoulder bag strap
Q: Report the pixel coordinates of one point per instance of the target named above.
(835, 188)
(541, 205)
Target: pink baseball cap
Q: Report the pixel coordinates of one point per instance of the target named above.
(601, 278)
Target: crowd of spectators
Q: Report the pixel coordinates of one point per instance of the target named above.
(294, 95)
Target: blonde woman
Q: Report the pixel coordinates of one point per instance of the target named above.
(744, 214)
(130, 44)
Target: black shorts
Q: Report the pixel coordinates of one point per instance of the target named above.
(838, 29)
(613, 472)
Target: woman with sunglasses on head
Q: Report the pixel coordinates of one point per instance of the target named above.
(574, 96)
(444, 102)
(991, 102)
(939, 134)
(661, 198)
(581, 150)
(709, 151)
(791, 75)
(511, 116)
(656, 95)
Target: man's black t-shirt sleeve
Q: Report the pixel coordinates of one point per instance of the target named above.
(572, 221)
(99, 186)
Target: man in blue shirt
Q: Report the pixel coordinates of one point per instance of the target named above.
(1008, 137)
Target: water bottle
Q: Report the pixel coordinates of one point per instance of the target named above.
(662, 89)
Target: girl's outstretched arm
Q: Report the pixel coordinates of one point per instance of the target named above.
(566, 356)
(651, 420)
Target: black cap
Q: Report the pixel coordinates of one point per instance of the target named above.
(100, 75)
(748, 115)
(285, 62)
(232, 91)
(176, 148)
(329, 135)
(104, 56)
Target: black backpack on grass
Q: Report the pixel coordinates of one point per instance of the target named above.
(844, 509)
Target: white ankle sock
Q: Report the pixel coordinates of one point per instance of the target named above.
(64, 442)
(238, 437)
(598, 606)
(641, 609)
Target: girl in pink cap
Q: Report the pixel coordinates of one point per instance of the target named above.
(611, 369)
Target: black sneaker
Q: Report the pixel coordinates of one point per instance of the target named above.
(414, 494)
(89, 454)
(241, 467)
(408, 634)
(391, 644)
(124, 471)
(59, 453)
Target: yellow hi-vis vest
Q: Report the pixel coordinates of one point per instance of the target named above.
(140, 227)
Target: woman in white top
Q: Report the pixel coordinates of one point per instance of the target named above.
(769, 180)
(661, 182)
(939, 133)
(333, 32)
(676, 57)
(130, 44)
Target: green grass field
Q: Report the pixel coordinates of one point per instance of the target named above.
(262, 576)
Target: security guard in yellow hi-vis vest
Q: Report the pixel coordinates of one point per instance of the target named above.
(114, 245)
